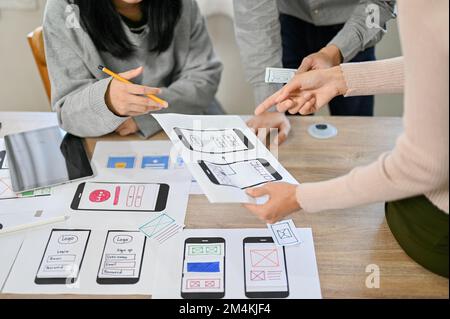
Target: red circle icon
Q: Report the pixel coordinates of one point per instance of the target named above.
(99, 195)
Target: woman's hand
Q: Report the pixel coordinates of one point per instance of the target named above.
(127, 128)
(282, 201)
(130, 99)
(261, 125)
(307, 92)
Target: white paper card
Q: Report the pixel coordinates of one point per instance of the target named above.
(223, 155)
(161, 228)
(284, 234)
(219, 268)
(25, 277)
(9, 248)
(138, 156)
(22, 279)
(279, 75)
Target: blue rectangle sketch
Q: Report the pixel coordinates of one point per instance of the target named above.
(155, 162)
(203, 267)
(121, 162)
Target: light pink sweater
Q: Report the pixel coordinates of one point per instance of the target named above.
(419, 162)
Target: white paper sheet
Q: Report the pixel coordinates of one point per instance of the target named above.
(17, 211)
(179, 185)
(279, 75)
(23, 274)
(301, 263)
(283, 233)
(223, 155)
(9, 248)
(139, 155)
(15, 220)
(21, 279)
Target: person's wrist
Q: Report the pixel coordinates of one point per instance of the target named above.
(294, 197)
(337, 77)
(334, 54)
(109, 102)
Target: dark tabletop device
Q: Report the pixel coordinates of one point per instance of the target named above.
(45, 157)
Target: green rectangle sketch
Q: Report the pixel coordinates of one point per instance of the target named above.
(196, 250)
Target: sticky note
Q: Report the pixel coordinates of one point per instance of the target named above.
(279, 76)
(155, 162)
(284, 233)
(121, 162)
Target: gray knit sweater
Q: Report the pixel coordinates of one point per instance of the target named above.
(188, 72)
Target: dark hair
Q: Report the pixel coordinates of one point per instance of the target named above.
(102, 22)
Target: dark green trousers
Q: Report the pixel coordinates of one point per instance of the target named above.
(421, 229)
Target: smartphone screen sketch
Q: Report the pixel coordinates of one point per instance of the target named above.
(242, 174)
(214, 141)
(129, 197)
(63, 256)
(122, 258)
(203, 274)
(265, 269)
(3, 160)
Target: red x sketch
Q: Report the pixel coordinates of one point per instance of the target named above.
(213, 283)
(257, 275)
(264, 257)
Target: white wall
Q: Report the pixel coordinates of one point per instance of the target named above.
(389, 105)
(21, 88)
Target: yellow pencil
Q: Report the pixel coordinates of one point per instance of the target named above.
(121, 79)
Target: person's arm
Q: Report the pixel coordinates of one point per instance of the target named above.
(356, 35)
(195, 81)
(307, 92)
(419, 164)
(376, 77)
(77, 96)
(259, 40)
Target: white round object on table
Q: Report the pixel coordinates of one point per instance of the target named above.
(322, 131)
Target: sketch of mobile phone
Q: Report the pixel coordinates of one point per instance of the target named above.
(122, 258)
(203, 273)
(214, 141)
(243, 174)
(265, 269)
(3, 160)
(128, 197)
(63, 256)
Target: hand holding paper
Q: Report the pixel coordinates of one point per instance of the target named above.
(282, 201)
(223, 155)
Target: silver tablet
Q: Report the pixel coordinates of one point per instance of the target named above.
(45, 157)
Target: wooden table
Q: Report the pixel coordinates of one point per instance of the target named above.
(346, 241)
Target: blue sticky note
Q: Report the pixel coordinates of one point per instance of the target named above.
(121, 161)
(204, 267)
(155, 162)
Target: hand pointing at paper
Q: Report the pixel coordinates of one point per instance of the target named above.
(307, 92)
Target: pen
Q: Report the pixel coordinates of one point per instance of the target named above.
(121, 79)
(35, 224)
